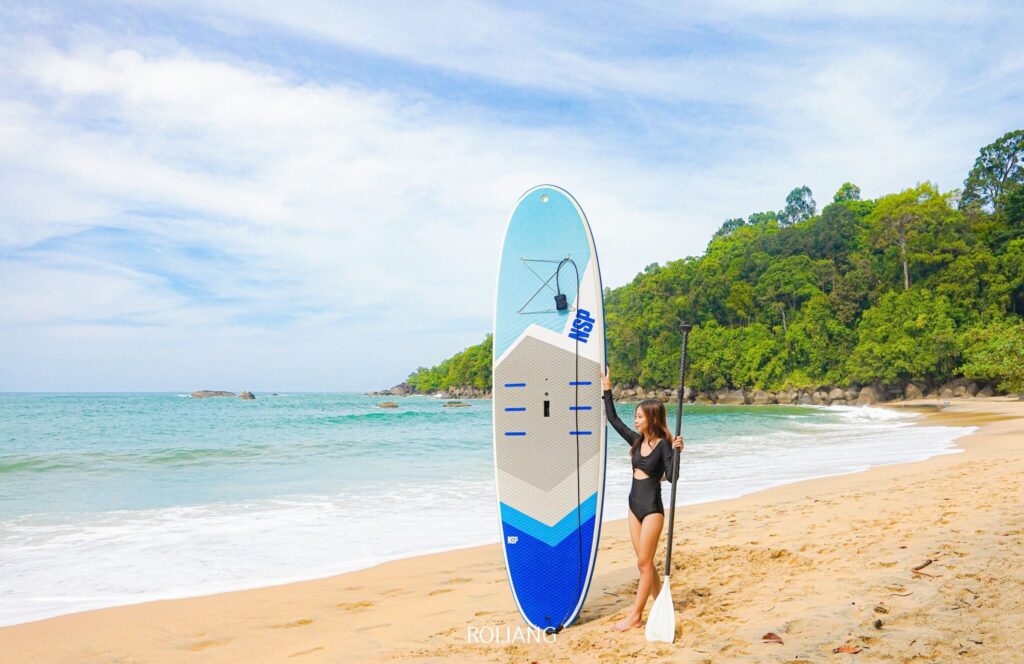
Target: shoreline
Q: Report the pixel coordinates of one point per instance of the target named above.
(344, 610)
(911, 450)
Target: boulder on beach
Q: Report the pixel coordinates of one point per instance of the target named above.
(730, 397)
(205, 394)
(387, 404)
(762, 398)
(913, 391)
(836, 394)
(868, 395)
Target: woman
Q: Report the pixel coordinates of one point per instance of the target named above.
(651, 454)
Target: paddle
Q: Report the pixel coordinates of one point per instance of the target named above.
(661, 622)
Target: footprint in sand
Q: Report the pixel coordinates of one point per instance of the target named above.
(210, 643)
(305, 652)
(439, 591)
(352, 606)
(302, 622)
(459, 579)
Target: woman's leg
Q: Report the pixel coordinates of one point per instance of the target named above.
(650, 585)
(634, 531)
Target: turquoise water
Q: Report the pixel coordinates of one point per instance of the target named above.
(111, 499)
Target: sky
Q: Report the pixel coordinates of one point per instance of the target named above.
(311, 195)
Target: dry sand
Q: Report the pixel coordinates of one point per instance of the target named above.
(822, 564)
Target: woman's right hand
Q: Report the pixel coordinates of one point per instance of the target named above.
(606, 382)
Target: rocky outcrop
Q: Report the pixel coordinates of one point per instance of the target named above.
(465, 392)
(205, 394)
(912, 391)
(387, 404)
(869, 395)
(786, 396)
(985, 391)
(762, 398)
(246, 395)
(730, 397)
(704, 398)
(835, 394)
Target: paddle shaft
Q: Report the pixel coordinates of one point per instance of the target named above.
(686, 327)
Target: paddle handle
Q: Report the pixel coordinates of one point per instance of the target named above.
(685, 327)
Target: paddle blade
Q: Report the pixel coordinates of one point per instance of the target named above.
(661, 622)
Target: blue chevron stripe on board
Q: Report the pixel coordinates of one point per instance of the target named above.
(550, 535)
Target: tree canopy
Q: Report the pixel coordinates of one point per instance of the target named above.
(913, 285)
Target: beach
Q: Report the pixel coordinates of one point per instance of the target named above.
(823, 564)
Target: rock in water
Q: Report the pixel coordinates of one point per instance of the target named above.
(246, 395)
(204, 394)
(387, 404)
(456, 404)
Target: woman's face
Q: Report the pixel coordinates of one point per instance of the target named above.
(640, 421)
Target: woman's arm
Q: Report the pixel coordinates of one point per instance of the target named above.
(666, 458)
(667, 450)
(613, 418)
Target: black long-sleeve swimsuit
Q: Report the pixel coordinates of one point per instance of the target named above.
(645, 494)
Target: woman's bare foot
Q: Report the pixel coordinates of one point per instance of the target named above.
(628, 622)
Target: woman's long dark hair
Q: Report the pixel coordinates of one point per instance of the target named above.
(654, 411)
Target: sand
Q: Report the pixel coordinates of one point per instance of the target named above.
(822, 564)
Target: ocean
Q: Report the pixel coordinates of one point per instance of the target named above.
(110, 499)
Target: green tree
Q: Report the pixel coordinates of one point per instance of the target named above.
(908, 335)
(789, 282)
(846, 193)
(728, 226)
(800, 205)
(763, 218)
(817, 343)
(471, 367)
(995, 352)
(899, 219)
(998, 169)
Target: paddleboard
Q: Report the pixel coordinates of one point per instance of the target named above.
(549, 423)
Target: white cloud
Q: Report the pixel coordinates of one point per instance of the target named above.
(371, 218)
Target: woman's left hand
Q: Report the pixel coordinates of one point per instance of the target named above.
(678, 443)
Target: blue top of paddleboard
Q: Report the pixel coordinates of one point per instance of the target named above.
(535, 228)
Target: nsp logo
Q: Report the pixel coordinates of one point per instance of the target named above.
(582, 326)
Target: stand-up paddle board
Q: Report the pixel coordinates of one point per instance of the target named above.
(549, 423)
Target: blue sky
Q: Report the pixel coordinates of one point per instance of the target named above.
(311, 195)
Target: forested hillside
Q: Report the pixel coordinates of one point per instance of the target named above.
(919, 285)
